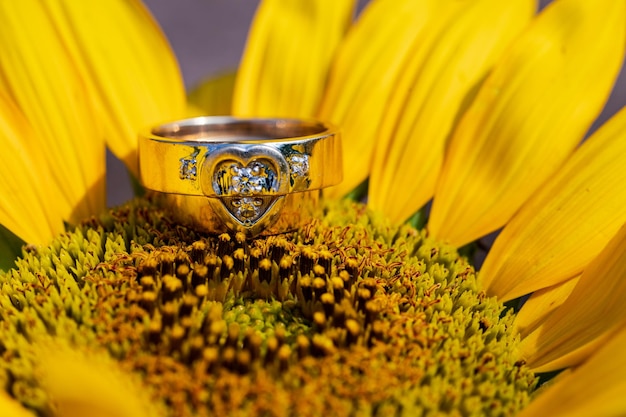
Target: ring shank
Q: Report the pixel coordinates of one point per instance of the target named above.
(259, 176)
(173, 156)
(229, 129)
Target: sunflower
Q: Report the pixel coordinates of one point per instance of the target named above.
(474, 110)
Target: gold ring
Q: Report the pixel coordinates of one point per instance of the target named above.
(258, 176)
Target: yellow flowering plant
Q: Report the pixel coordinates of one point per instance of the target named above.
(478, 106)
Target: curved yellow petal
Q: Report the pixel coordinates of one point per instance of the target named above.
(214, 95)
(596, 388)
(92, 386)
(438, 81)
(590, 314)
(285, 65)
(128, 67)
(40, 76)
(528, 116)
(26, 206)
(541, 304)
(567, 223)
(366, 71)
(11, 408)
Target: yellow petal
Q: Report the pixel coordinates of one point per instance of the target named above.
(92, 386)
(290, 47)
(566, 224)
(528, 116)
(41, 77)
(541, 304)
(366, 72)
(596, 388)
(590, 314)
(434, 87)
(11, 408)
(130, 71)
(28, 206)
(214, 96)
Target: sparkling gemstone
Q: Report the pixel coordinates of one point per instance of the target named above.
(249, 179)
(299, 165)
(247, 207)
(188, 169)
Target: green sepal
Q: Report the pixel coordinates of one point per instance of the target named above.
(10, 248)
(516, 304)
(469, 250)
(419, 219)
(138, 189)
(546, 377)
(359, 193)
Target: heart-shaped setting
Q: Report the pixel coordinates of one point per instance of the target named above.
(250, 182)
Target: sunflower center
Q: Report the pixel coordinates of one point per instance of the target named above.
(349, 315)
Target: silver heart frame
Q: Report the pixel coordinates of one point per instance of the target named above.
(246, 185)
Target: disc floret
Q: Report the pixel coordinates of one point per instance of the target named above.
(349, 314)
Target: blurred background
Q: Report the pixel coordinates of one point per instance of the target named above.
(208, 37)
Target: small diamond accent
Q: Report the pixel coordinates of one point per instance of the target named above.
(249, 179)
(299, 165)
(188, 169)
(247, 208)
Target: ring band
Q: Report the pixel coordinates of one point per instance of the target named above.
(259, 176)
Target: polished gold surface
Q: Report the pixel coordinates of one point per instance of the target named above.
(169, 154)
(206, 214)
(257, 176)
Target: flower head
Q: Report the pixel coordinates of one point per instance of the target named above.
(479, 106)
(306, 323)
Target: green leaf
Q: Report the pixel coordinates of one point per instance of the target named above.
(10, 248)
